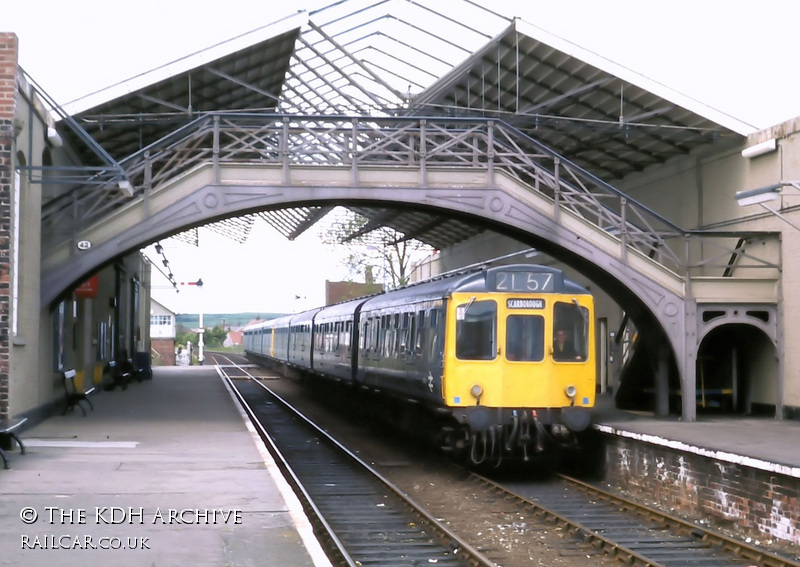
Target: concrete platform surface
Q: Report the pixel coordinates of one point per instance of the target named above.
(166, 473)
(760, 442)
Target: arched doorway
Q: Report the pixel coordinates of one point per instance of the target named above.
(737, 372)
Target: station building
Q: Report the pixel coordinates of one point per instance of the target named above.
(103, 318)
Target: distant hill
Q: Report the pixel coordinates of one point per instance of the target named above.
(191, 321)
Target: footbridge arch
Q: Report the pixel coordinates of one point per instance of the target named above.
(226, 165)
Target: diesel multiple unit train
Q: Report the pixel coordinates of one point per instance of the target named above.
(497, 363)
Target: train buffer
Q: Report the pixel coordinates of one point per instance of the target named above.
(8, 433)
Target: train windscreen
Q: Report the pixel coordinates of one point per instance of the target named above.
(570, 332)
(476, 330)
(525, 337)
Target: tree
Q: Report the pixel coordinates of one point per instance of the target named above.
(374, 248)
(184, 336)
(215, 336)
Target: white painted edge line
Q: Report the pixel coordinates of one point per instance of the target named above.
(296, 512)
(751, 462)
(33, 442)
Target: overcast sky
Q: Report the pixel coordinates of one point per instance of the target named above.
(739, 58)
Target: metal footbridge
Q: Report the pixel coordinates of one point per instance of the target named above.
(671, 281)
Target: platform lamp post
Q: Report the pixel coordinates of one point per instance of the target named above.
(201, 331)
(763, 195)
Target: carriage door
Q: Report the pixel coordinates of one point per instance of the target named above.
(523, 381)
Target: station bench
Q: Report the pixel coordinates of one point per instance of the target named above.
(8, 429)
(75, 396)
(120, 375)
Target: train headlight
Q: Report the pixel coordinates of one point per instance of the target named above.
(476, 391)
(571, 391)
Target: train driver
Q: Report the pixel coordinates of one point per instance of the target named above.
(563, 348)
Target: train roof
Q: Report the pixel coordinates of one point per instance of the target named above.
(466, 282)
(434, 289)
(342, 309)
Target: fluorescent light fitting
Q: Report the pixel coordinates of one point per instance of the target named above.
(126, 187)
(54, 137)
(760, 195)
(760, 149)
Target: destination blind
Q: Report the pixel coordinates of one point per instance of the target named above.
(520, 303)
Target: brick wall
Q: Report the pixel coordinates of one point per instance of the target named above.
(749, 502)
(8, 97)
(166, 348)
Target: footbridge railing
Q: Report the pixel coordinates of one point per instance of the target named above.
(425, 145)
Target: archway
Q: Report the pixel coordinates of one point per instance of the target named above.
(737, 372)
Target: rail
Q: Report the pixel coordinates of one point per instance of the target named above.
(340, 491)
(630, 532)
(422, 145)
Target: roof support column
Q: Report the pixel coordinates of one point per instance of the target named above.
(148, 182)
(687, 362)
(284, 145)
(557, 190)
(423, 154)
(490, 156)
(662, 380)
(780, 345)
(354, 152)
(215, 150)
(623, 228)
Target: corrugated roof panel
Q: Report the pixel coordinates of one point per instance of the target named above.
(385, 57)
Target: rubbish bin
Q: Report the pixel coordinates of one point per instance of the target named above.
(142, 366)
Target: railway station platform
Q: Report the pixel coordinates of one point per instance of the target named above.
(737, 474)
(760, 442)
(164, 473)
(168, 473)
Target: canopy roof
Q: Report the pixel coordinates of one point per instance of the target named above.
(388, 57)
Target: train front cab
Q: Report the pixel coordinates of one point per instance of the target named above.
(505, 364)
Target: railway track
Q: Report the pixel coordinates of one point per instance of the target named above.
(630, 532)
(602, 528)
(360, 516)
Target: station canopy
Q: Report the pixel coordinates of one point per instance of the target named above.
(420, 58)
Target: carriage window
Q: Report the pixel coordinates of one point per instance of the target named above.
(420, 335)
(411, 335)
(570, 332)
(434, 351)
(525, 337)
(318, 339)
(476, 330)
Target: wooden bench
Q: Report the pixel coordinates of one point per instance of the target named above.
(75, 396)
(7, 433)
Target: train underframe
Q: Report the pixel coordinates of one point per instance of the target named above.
(483, 437)
(493, 436)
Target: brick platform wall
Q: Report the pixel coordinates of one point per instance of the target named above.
(166, 348)
(750, 502)
(8, 97)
